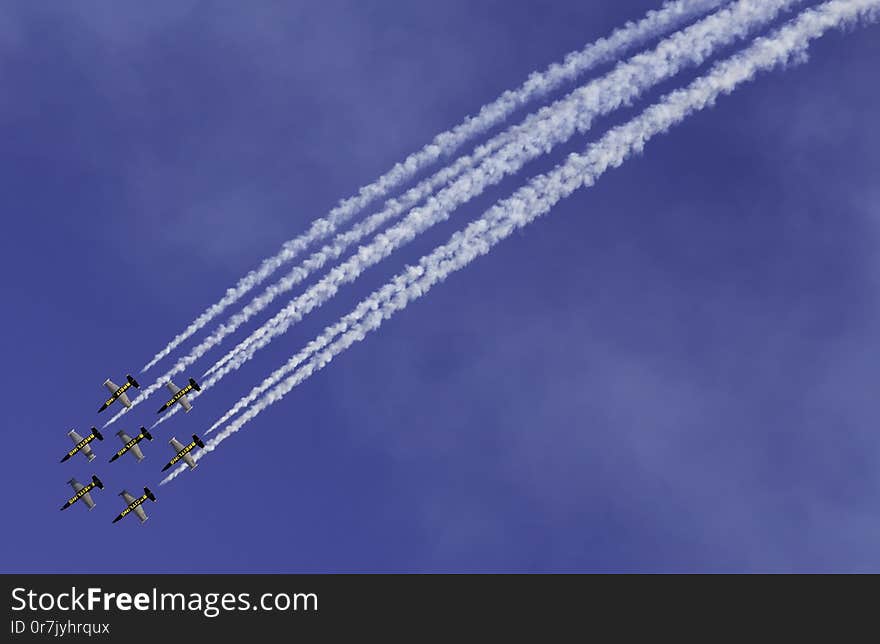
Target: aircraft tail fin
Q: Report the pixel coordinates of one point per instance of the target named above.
(194, 384)
(97, 482)
(149, 494)
(198, 441)
(97, 434)
(134, 383)
(146, 434)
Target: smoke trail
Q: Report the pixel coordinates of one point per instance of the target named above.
(551, 126)
(655, 23)
(788, 44)
(393, 208)
(381, 296)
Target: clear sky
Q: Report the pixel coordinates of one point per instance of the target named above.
(674, 371)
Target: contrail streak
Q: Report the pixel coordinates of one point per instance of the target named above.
(537, 135)
(690, 46)
(655, 23)
(553, 125)
(788, 44)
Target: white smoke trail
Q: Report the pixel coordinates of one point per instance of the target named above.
(400, 282)
(536, 198)
(690, 46)
(655, 23)
(393, 208)
(551, 126)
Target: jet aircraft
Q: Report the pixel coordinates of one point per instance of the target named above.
(82, 492)
(129, 443)
(83, 443)
(118, 393)
(178, 395)
(182, 452)
(134, 504)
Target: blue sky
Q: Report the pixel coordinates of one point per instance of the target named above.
(673, 371)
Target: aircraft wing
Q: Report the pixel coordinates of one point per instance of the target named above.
(111, 386)
(128, 497)
(185, 403)
(76, 438)
(189, 461)
(176, 444)
(141, 515)
(123, 398)
(172, 387)
(123, 436)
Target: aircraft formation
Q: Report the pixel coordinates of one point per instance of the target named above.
(130, 444)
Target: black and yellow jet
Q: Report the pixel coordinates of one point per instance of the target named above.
(118, 393)
(129, 443)
(178, 395)
(83, 443)
(134, 504)
(82, 492)
(182, 452)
